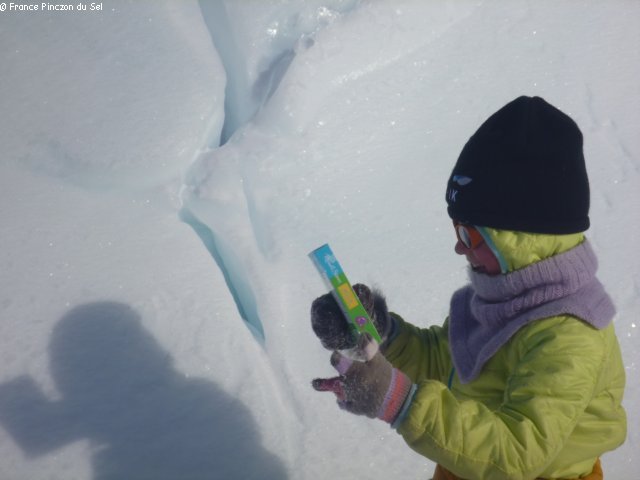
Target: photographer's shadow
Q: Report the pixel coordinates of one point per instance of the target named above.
(145, 419)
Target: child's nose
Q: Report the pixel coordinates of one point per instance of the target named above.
(460, 248)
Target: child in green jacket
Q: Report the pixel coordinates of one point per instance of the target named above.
(525, 378)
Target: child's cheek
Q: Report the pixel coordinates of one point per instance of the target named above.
(480, 258)
(485, 260)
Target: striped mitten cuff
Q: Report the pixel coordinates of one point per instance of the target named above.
(399, 388)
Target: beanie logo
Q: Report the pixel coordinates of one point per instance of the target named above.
(461, 180)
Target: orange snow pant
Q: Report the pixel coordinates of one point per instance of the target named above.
(442, 473)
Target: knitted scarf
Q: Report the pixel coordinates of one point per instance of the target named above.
(488, 312)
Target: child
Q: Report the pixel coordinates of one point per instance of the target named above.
(525, 378)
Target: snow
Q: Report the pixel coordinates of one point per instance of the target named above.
(155, 286)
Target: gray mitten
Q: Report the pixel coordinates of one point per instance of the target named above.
(372, 387)
(329, 324)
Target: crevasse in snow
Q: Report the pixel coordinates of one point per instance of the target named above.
(246, 93)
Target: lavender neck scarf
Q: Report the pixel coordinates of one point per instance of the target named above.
(487, 313)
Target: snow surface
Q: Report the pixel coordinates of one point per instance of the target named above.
(136, 251)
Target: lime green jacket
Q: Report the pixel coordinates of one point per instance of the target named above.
(546, 405)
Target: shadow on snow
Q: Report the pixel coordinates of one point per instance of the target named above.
(144, 419)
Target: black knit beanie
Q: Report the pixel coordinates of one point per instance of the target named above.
(522, 170)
